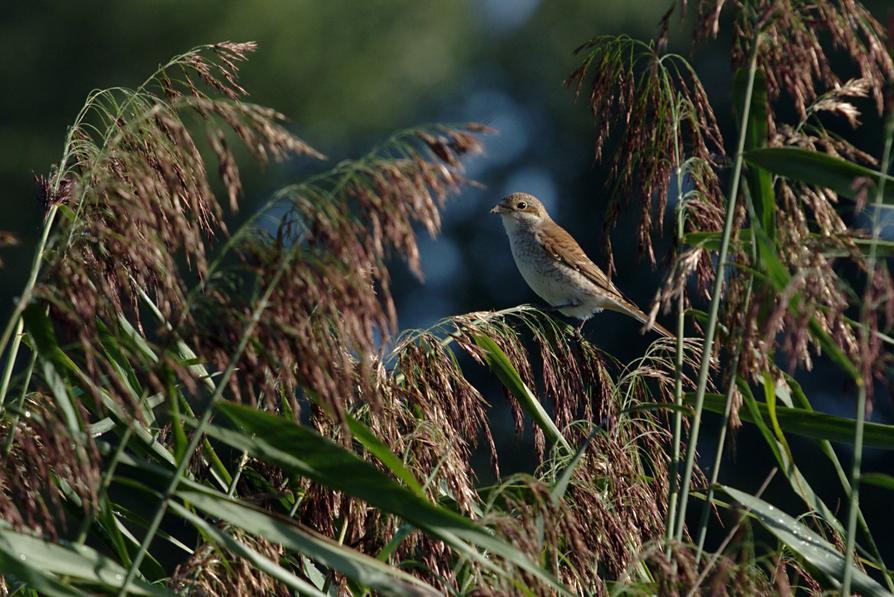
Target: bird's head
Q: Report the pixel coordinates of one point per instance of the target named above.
(521, 210)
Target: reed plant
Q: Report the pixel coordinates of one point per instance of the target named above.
(193, 410)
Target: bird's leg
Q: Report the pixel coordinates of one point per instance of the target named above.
(580, 327)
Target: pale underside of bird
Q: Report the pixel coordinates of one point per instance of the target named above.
(556, 268)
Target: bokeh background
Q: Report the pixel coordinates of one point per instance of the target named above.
(348, 73)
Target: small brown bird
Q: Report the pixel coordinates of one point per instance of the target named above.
(556, 268)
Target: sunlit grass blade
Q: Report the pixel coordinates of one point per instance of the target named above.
(362, 569)
(13, 570)
(812, 424)
(55, 363)
(80, 563)
(509, 376)
(803, 541)
(787, 465)
(302, 451)
(770, 400)
(818, 169)
(258, 560)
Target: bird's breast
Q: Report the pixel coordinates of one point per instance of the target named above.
(552, 281)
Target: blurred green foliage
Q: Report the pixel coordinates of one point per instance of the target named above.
(346, 73)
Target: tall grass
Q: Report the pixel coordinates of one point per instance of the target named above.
(189, 409)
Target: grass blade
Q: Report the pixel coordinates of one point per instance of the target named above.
(791, 391)
(815, 550)
(818, 169)
(878, 479)
(362, 569)
(562, 482)
(509, 376)
(796, 479)
(716, 297)
(760, 183)
(812, 424)
(302, 451)
(367, 438)
(11, 568)
(77, 562)
(260, 561)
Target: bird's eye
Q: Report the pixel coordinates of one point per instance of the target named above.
(521, 205)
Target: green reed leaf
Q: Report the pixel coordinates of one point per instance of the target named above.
(878, 479)
(759, 180)
(377, 448)
(259, 561)
(42, 561)
(362, 569)
(501, 366)
(819, 169)
(815, 550)
(302, 451)
(812, 424)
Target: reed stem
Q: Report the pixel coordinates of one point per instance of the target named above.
(854, 501)
(678, 364)
(708, 345)
(15, 321)
(11, 432)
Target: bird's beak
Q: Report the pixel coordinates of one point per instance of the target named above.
(497, 209)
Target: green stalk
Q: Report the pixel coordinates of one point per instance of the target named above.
(721, 445)
(854, 506)
(231, 490)
(728, 406)
(185, 351)
(104, 483)
(729, 538)
(854, 501)
(10, 362)
(843, 478)
(15, 321)
(11, 434)
(199, 431)
(108, 474)
(678, 369)
(707, 348)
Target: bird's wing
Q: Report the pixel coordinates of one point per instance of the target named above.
(562, 247)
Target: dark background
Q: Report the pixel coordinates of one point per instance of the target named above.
(349, 73)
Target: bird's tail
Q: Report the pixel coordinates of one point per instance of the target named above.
(633, 311)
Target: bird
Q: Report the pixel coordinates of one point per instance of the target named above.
(556, 268)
